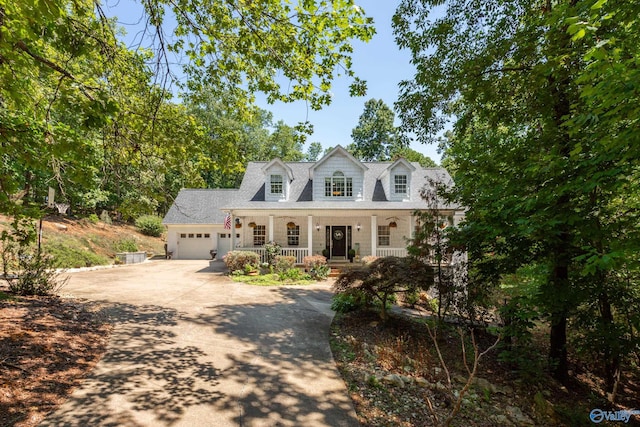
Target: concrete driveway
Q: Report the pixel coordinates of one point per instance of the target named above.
(192, 348)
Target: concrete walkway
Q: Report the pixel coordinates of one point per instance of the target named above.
(192, 348)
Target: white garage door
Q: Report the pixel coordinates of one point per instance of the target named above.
(194, 245)
(224, 244)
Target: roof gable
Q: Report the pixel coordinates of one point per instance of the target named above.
(280, 163)
(337, 151)
(400, 162)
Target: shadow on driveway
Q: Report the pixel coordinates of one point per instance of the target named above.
(260, 359)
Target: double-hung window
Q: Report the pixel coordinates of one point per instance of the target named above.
(259, 235)
(400, 184)
(293, 236)
(384, 235)
(276, 184)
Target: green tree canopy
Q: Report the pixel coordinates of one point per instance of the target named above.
(313, 152)
(376, 137)
(545, 148)
(61, 62)
(414, 156)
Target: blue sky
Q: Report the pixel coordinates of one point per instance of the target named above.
(379, 62)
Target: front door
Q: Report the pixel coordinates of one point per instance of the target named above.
(339, 241)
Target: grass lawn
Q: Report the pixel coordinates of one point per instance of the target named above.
(272, 279)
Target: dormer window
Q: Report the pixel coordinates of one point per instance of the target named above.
(276, 184)
(338, 185)
(400, 184)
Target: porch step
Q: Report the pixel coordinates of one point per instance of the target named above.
(337, 267)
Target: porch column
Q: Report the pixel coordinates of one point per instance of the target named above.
(412, 221)
(310, 235)
(270, 229)
(457, 218)
(233, 232)
(374, 235)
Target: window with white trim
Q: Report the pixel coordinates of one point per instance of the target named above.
(293, 236)
(384, 235)
(276, 184)
(338, 185)
(400, 184)
(259, 235)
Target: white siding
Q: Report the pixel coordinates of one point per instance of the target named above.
(276, 170)
(348, 168)
(399, 169)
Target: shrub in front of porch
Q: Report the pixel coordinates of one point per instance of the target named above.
(241, 260)
(272, 252)
(284, 263)
(316, 266)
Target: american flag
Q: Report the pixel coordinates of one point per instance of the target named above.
(227, 222)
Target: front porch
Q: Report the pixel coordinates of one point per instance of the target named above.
(337, 235)
(300, 253)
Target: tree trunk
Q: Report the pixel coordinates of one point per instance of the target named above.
(558, 347)
(611, 355)
(558, 335)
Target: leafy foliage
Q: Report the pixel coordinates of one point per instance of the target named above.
(545, 147)
(82, 113)
(316, 266)
(283, 263)
(376, 137)
(67, 256)
(126, 244)
(150, 225)
(272, 250)
(27, 270)
(350, 300)
(237, 260)
(385, 277)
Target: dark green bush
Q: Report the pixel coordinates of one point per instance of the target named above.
(26, 269)
(350, 300)
(150, 225)
(272, 251)
(37, 275)
(127, 244)
(385, 277)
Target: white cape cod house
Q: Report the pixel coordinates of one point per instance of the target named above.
(335, 204)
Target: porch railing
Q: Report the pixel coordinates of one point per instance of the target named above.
(399, 252)
(297, 253)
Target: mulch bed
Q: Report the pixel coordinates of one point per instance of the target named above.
(47, 346)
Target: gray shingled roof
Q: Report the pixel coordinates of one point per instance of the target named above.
(199, 206)
(252, 192)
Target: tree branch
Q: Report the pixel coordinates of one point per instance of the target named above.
(504, 70)
(23, 47)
